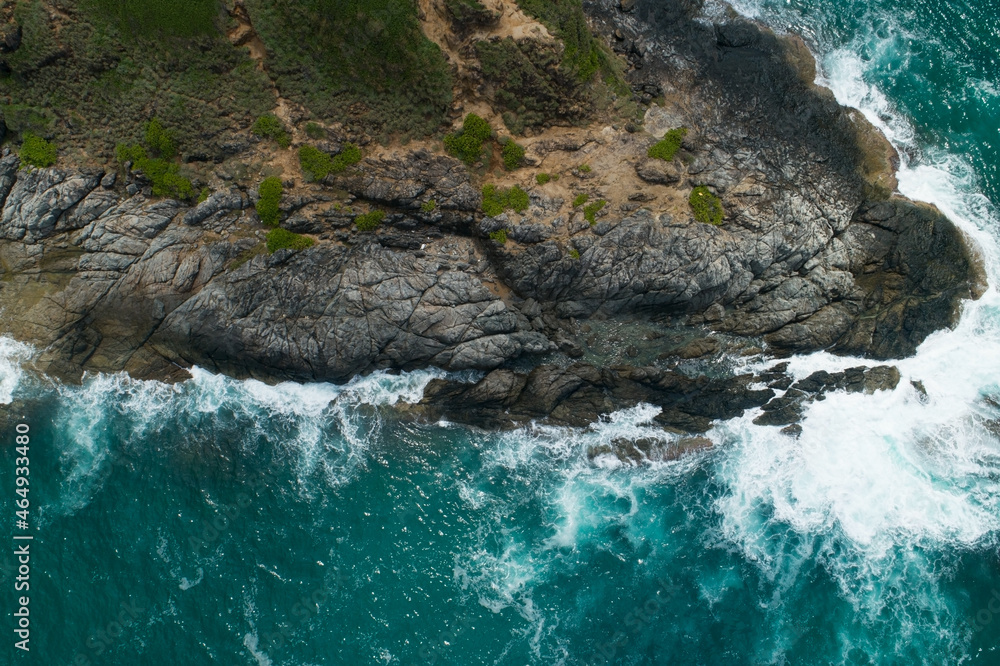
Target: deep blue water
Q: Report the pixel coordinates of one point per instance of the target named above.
(225, 522)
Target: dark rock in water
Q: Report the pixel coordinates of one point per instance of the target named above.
(698, 348)
(788, 408)
(647, 450)
(793, 430)
(579, 394)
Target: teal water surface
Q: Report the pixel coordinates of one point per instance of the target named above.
(228, 522)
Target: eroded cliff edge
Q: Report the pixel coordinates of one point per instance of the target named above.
(814, 252)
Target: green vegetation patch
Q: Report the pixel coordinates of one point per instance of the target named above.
(496, 200)
(316, 165)
(499, 236)
(270, 191)
(584, 168)
(513, 155)
(470, 12)
(269, 126)
(706, 206)
(160, 140)
(165, 176)
(580, 200)
(574, 253)
(667, 147)
(348, 156)
(363, 62)
(148, 19)
(37, 152)
(590, 211)
(542, 178)
(565, 19)
(529, 85)
(283, 239)
(314, 131)
(428, 206)
(89, 74)
(467, 144)
(369, 221)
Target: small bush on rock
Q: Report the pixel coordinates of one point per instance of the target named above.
(316, 165)
(590, 212)
(580, 200)
(283, 239)
(499, 236)
(270, 126)
(497, 200)
(160, 140)
(706, 206)
(349, 155)
(270, 191)
(667, 147)
(467, 145)
(513, 155)
(369, 221)
(37, 152)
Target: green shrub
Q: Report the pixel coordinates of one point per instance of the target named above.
(269, 126)
(574, 253)
(283, 239)
(500, 236)
(349, 155)
(369, 221)
(667, 147)
(706, 206)
(165, 176)
(590, 212)
(160, 140)
(467, 145)
(205, 192)
(37, 152)
(428, 206)
(270, 191)
(580, 200)
(584, 168)
(513, 155)
(542, 178)
(566, 20)
(316, 165)
(143, 19)
(315, 131)
(497, 200)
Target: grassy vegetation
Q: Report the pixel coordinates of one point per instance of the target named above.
(143, 19)
(428, 206)
(499, 236)
(348, 156)
(205, 193)
(94, 80)
(369, 221)
(590, 211)
(496, 200)
(566, 20)
(283, 239)
(165, 176)
(584, 168)
(529, 84)
(467, 144)
(316, 165)
(667, 147)
(574, 253)
(315, 132)
(37, 152)
(270, 191)
(513, 155)
(364, 62)
(160, 140)
(542, 178)
(706, 206)
(269, 126)
(469, 12)
(580, 200)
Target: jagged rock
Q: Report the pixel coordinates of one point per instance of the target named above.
(215, 203)
(579, 394)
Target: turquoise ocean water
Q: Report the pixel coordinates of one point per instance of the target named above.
(226, 522)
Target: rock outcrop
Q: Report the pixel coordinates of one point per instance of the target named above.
(814, 251)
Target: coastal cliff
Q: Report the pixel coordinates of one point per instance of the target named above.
(814, 250)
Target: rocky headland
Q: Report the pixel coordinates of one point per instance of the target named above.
(571, 312)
